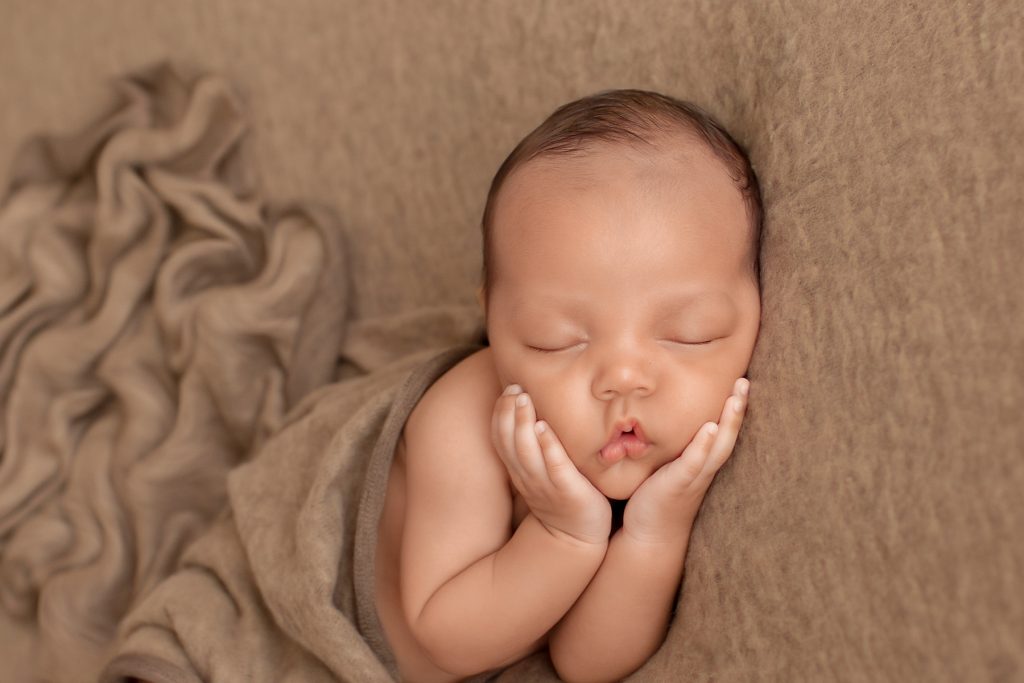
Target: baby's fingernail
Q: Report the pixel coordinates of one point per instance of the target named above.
(712, 429)
(539, 427)
(521, 401)
(744, 387)
(513, 389)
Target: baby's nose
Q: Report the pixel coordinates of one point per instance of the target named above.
(624, 376)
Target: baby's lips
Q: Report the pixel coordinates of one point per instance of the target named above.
(640, 432)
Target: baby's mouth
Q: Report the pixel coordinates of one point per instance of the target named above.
(625, 443)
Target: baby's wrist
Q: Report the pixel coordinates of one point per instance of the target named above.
(661, 537)
(580, 540)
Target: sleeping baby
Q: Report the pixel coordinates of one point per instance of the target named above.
(544, 488)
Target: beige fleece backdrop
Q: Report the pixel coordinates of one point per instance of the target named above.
(867, 527)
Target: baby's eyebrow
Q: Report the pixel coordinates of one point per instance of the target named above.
(710, 298)
(545, 310)
(705, 306)
(672, 303)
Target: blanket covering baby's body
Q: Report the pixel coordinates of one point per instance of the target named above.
(281, 587)
(196, 425)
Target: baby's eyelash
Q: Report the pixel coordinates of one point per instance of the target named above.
(701, 343)
(537, 348)
(565, 347)
(674, 341)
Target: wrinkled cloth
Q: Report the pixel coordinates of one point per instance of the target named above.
(159, 324)
(281, 588)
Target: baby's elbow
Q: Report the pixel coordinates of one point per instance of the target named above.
(571, 676)
(573, 670)
(445, 654)
(451, 661)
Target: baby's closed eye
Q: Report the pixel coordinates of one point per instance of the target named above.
(553, 348)
(691, 342)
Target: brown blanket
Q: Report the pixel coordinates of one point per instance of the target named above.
(159, 327)
(281, 587)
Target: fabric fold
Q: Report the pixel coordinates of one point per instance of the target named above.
(282, 588)
(157, 322)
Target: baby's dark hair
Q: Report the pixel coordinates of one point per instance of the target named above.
(640, 118)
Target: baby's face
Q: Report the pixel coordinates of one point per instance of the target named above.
(630, 273)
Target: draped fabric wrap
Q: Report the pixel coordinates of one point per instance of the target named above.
(158, 322)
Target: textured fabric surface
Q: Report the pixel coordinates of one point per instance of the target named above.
(157, 323)
(867, 527)
(281, 587)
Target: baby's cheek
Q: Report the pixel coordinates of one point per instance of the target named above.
(561, 423)
(552, 404)
(678, 415)
(576, 430)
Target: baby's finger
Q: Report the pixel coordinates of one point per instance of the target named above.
(503, 424)
(527, 449)
(694, 457)
(729, 428)
(559, 467)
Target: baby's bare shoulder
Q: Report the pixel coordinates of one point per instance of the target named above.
(463, 396)
(458, 496)
(448, 435)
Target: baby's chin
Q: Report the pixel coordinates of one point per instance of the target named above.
(621, 480)
(619, 487)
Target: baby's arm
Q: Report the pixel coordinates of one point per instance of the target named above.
(475, 598)
(622, 617)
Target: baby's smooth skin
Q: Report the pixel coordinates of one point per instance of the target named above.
(622, 296)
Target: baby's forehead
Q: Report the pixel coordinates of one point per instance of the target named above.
(636, 175)
(654, 164)
(562, 199)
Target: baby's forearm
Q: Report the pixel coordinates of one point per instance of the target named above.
(492, 612)
(622, 617)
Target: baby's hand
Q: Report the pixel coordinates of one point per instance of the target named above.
(561, 498)
(665, 505)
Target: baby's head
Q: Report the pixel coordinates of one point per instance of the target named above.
(621, 275)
